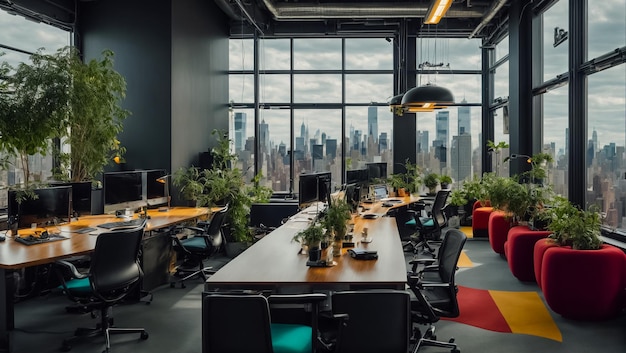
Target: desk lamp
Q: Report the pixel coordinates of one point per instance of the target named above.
(165, 180)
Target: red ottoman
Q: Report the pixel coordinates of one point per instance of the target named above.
(583, 284)
(480, 220)
(519, 249)
(539, 250)
(498, 228)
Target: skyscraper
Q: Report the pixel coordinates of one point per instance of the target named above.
(422, 141)
(465, 122)
(264, 137)
(240, 131)
(372, 122)
(461, 157)
(442, 126)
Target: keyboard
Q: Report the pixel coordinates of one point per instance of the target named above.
(122, 224)
(32, 240)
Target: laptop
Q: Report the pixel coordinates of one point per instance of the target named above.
(380, 192)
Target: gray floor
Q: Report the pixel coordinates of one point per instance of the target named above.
(174, 322)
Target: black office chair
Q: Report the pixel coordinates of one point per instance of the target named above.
(436, 298)
(428, 235)
(241, 323)
(206, 241)
(113, 274)
(372, 321)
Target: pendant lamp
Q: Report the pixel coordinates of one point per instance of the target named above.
(428, 96)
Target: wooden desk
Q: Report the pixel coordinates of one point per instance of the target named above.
(274, 263)
(14, 255)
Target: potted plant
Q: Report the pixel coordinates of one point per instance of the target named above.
(311, 237)
(431, 181)
(222, 185)
(95, 115)
(335, 221)
(407, 182)
(445, 181)
(575, 251)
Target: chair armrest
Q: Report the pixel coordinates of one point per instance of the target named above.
(422, 261)
(434, 285)
(296, 298)
(71, 268)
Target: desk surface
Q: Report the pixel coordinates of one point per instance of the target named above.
(274, 261)
(15, 255)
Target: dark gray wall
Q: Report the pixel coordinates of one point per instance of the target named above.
(174, 56)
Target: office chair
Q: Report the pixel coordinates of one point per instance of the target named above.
(429, 228)
(372, 321)
(241, 323)
(206, 241)
(113, 274)
(437, 298)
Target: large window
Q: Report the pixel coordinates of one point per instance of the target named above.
(27, 36)
(327, 86)
(555, 58)
(555, 130)
(607, 26)
(606, 135)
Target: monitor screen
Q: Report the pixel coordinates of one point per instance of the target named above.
(356, 176)
(376, 171)
(123, 190)
(353, 196)
(157, 187)
(324, 187)
(307, 189)
(81, 197)
(52, 206)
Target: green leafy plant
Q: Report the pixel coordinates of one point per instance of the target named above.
(496, 149)
(573, 226)
(431, 180)
(445, 180)
(95, 113)
(311, 236)
(222, 185)
(410, 180)
(337, 215)
(33, 102)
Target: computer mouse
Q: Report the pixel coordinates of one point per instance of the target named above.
(3, 237)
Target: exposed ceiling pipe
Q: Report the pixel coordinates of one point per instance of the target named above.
(293, 11)
(493, 10)
(228, 10)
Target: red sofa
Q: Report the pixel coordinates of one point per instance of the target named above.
(480, 220)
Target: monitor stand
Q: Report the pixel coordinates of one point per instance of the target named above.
(124, 213)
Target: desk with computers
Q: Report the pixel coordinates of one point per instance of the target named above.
(60, 222)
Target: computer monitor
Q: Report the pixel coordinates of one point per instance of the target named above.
(353, 196)
(51, 206)
(376, 171)
(81, 197)
(356, 176)
(123, 190)
(324, 187)
(157, 187)
(307, 189)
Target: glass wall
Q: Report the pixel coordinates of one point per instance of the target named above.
(607, 26)
(606, 135)
(27, 36)
(555, 55)
(327, 87)
(448, 139)
(555, 137)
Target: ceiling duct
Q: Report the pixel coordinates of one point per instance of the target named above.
(299, 11)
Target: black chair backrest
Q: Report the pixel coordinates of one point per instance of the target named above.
(449, 254)
(115, 263)
(236, 323)
(271, 214)
(378, 321)
(438, 215)
(214, 236)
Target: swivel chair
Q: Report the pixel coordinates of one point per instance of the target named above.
(206, 241)
(372, 321)
(241, 322)
(437, 298)
(429, 228)
(113, 274)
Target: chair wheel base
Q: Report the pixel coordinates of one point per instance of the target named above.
(144, 335)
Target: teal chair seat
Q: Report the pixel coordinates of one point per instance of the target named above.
(78, 287)
(195, 243)
(426, 222)
(411, 222)
(288, 338)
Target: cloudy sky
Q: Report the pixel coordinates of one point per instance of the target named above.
(607, 96)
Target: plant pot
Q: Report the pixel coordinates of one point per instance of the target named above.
(315, 254)
(233, 249)
(401, 192)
